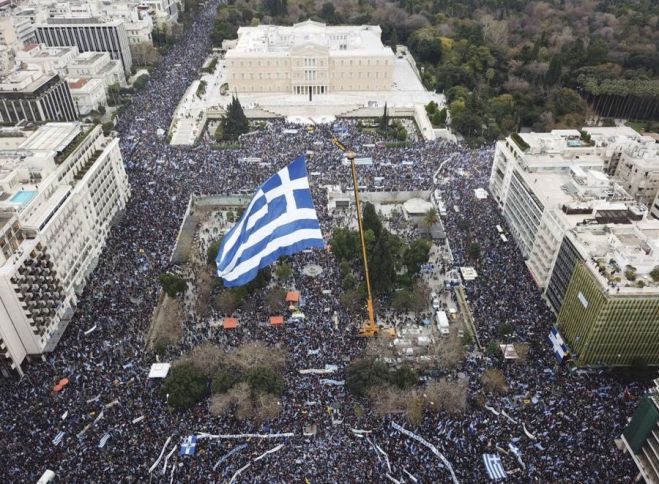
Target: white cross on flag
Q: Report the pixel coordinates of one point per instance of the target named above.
(189, 446)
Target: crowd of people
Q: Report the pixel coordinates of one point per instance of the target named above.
(563, 422)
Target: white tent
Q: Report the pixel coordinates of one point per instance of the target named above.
(159, 370)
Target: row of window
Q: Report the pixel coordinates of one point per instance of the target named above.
(310, 62)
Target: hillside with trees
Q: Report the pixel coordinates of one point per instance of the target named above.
(505, 64)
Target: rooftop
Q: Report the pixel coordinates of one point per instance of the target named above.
(340, 39)
(26, 81)
(621, 256)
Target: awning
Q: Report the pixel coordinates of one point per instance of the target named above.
(276, 320)
(293, 296)
(230, 323)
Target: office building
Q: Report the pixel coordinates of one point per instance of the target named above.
(46, 59)
(35, 97)
(309, 59)
(641, 436)
(604, 287)
(60, 191)
(547, 183)
(97, 65)
(89, 35)
(88, 94)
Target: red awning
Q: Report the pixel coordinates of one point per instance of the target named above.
(230, 323)
(276, 320)
(293, 296)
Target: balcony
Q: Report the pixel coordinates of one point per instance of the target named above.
(85, 168)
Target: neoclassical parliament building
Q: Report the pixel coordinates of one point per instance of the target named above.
(310, 59)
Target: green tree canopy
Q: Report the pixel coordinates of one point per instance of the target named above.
(234, 123)
(173, 284)
(185, 385)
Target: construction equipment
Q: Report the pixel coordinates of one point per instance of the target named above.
(369, 327)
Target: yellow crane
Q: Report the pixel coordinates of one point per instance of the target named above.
(369, 327)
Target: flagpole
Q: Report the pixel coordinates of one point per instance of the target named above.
(369, 328)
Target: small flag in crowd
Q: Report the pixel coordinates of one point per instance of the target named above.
(58, 438)
(189, 446)
(280, 220)
(103, 441)
(494, 467)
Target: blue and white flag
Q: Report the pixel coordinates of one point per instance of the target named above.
(280, 220)
(189, 446)
(494, 467)
(58, 438)
(103, 440)
(558, 344)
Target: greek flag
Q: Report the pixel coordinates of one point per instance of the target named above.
(189, 446)
(280, 220)
(558, 344)
(494, 467)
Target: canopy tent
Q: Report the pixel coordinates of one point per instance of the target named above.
(276, 320)
(159, 370)
(293, 296)
(230, 323)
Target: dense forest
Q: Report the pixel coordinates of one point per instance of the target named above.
(505, 65)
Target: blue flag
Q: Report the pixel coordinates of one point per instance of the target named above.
(189, 446)
(280, 220)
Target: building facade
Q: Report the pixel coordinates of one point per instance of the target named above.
(88, 94)
(605, 289)
(46, 59)
(35, 97)
(546, 184)
(97, 65)
(309, 59)
(641, 436)
(61, 190)
(88, 35)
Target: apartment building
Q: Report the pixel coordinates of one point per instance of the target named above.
(35, 97)
(60, 191)
(309, 59)
(88, 34)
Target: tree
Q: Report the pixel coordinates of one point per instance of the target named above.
(431, 217)
(447, 395)
(211, 252)
(364, 374)
(554, 71)
(493, 381)
(654, 274)
(275, 300)
(384, 120)
(107, 128)
(173, 284)
(565, 100)
(381, 266)
(141, 81)
(404, 377)
(283, 271)
(227, 301)
(144, 54)
(265, 380)
(185, 385)
(370, 219)
(426, 44)
(234, 122)
(474, 251)
(207, 358)
(416, 255)
(224, 379)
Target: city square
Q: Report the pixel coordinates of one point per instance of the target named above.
(97, 407)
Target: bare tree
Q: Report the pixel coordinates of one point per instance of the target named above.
(446, 395)
(494, 381)
(207, 357)
(255, 354)
(144, 54)
(448, 353)
(388, 400)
